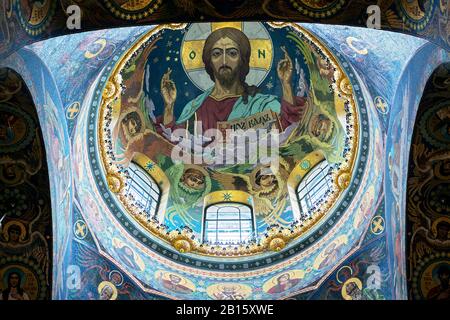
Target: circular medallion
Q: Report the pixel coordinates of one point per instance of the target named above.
(414, 14)
(377, 225)
(430, 279)
(107, 291)
(352, 289)
(80, 229)
(435, 127)
(26, 274)
(381, 105)
(438, 198)
(178, 194)
(35, 16)
(284, 282)
(116, 278)
(17, 129)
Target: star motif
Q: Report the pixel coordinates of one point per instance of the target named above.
(169, 44)
(269, 85)
(155, 60)
(150, 166)
(227, 196)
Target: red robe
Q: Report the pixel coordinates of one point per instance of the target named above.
(212, 111)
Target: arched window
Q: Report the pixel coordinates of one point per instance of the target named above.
(228, 223)
(313, 187)
(144, 190)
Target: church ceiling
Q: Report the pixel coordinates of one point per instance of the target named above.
(159, 194)
(23, 21)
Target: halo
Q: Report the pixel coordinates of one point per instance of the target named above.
(23, 231)
(436, 222)
(110, 277)
(293, 274)
(338, 242)
(118, 244)
(9, 271)
(192, 48)
(109, 284)
(196, 167)
(339, 271)
(344, 293)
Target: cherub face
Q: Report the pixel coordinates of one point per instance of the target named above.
(193, 179)
(320, 126)
(132, 126)
(267, 181)
(14, 235)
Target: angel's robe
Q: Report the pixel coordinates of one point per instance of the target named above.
(209, 111)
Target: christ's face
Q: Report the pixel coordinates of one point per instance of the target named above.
(225, 59)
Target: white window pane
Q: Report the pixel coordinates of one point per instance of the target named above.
(228, 223)
(313, 187)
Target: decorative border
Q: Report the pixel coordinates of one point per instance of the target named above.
(35, 30)
(106, 89)
(328, 11)
(124, 14)
(416, 25)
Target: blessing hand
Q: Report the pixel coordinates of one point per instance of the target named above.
(168, 89)
(284, 68)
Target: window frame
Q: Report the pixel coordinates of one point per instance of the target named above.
(328, 183)
(141, 174)
(251, 219)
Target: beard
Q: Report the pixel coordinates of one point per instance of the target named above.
(227, 76)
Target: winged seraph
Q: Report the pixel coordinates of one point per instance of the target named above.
(265, 197)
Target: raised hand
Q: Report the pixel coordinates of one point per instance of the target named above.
(168, 89)
(169, 94)
(285, 68)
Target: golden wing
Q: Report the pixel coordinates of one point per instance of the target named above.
(262, 206)
(233, 181)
